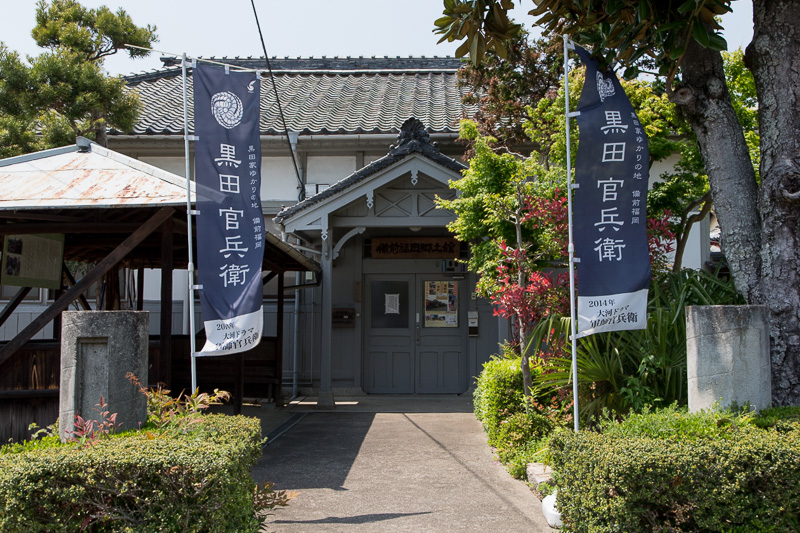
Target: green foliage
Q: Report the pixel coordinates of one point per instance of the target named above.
(183, 471)
(498, 393)
(676, 423)
(64, 92)
(94, 33)
(780, 418)
(490, 198)
(165, 412)
(503, 88)
(672, 471)
(629, 370)
(465, 20)
(194, 482)
(625, 30)
(518, 430)
(520, 438)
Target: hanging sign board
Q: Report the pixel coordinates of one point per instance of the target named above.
(33, 260)
(230, 225)
(610, 223)
(414, 248)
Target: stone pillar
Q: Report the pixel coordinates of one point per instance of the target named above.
(98, 348)
(728, 361)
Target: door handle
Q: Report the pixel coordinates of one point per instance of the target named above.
(418, 334)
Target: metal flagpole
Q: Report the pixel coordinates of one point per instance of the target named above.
(571, 248)
(189, 213)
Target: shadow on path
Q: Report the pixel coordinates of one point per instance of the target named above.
(318, 452)
(359, 519)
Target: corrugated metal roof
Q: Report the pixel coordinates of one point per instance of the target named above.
(85, 175)
(325, 96)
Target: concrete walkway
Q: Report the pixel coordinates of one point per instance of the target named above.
(378, 463)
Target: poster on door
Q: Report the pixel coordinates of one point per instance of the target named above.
(441, 304)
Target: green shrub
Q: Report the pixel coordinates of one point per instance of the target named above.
(498, 393)
(519, 438)
(702, 472)
(677, 423)
(197, 480)
(778, 417)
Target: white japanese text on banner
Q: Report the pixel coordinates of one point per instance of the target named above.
(610, 222)
(230, 224)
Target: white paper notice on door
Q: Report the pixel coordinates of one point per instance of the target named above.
(392, 306)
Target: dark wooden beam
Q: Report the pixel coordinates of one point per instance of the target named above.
(8, 310)
(28, 215)
(95, 274)
(164, 368)
(25, 394)
(67, 227)
(71, 281)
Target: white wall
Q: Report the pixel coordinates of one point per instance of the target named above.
(278, 179)
(329, 169)
(176, 165)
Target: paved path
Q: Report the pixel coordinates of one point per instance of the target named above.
(365, 469)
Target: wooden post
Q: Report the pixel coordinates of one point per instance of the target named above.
(164, 364)
(140, 289)
(277, 395)
(238, 383)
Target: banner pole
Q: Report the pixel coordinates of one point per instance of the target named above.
(189, 213)
(571, 246)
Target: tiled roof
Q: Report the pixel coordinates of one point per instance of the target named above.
(413, 139)
(323, 95)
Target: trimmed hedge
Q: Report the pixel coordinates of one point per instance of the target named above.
(498, 394)
(145, 481)
(747, 481)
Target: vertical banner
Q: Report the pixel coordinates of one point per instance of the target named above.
(612, 171)
(230, 223)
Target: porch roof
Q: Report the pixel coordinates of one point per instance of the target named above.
(413, 139)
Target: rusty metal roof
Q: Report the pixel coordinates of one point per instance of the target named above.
(85, 175)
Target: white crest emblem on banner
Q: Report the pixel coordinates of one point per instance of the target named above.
(227, 109)
(605, 87)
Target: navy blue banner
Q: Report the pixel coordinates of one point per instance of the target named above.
(230, 224)
(610, 222)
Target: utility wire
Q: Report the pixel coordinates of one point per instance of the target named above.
(301, 190)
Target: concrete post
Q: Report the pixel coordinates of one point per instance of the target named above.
(728, 361)
(98, 348)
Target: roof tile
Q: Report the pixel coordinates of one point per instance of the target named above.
(322, 96)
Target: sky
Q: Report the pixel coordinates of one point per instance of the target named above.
(202, 28)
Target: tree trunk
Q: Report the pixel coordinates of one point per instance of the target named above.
(687, 221)
(759, 224)
(773, 59)
(704, 99)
